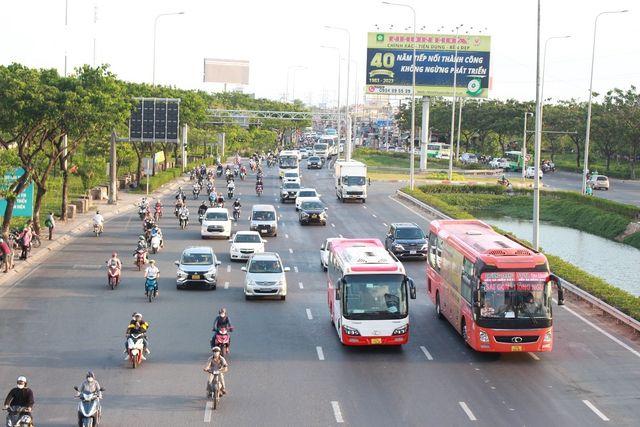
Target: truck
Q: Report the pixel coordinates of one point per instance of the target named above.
(351, 180)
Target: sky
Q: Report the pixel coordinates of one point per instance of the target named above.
(282, 40)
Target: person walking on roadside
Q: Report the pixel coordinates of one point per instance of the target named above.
(5, 256)
(25, 240)
(50, 223)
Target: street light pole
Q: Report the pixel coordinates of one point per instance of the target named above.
(453, 102)
(347, 144)
(155, 27)
(413, 96)
(588, 132)
(339, 78)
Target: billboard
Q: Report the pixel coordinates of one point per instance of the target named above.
(155, 120)
(24, 202)
(390, 60)
(226, 71)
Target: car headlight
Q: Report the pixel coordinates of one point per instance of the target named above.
(398, 247)
(234, 248)
(305, 215)
(350, 331)
(251, 283)
(484, 337)
(210, 274)
(425, 247)
(401, 330)
(182, 274)
(548, 336)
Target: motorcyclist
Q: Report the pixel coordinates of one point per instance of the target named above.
(159, 206)
(142, 244)
(137, 325)
(114, 261)
(217, 363)
(231, 186)
(90, 385)
(196, 188)
(180, 194)
(220, 200)
(98, 220)
(184, 211)
(222, 321)
(157, 231)
(21, 395)
(202, 209)
(236, 204)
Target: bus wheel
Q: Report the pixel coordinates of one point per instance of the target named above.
(465, 337)
(438, 309)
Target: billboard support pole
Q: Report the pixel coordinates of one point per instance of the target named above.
(184, 148)
(113, 190)
(347, 143)
(425, 138)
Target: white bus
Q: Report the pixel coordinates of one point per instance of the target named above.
(368, 293)
(288, 161)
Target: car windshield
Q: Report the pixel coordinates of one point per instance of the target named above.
(312, 205)
(353, 180)
(247, 238)
(197, 259)
(314, 159)
(409, 233)
(291, 185)
(264, 216)
(307, 193)
(601, 178)
(375, 296)
(265, 266)
(217, 216)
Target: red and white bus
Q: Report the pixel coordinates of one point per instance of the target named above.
(368, 293)
(494, 290)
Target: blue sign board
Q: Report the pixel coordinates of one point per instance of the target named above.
(24, 202)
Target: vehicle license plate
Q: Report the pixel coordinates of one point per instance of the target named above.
(314, 216)
(516, 348)
(412, 252)
(376, 340)
(263, 230)
(195, 276)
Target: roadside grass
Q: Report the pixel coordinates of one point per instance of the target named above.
(567, 162)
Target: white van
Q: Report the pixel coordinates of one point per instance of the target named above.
(264, 219)
(216, 223)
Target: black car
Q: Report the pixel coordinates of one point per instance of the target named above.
(406, 239)
(314, 162)
(313, 211)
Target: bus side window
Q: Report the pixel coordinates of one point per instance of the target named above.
(438, 253)
(432, 250)
(467, 280)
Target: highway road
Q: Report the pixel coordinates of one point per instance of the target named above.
(624, 191)
(287, 367)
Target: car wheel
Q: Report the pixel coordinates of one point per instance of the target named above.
(213, 287)
(283, 297)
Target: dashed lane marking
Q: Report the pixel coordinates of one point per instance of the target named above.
(226, 285)
(467, 411)
(333, 225)
(590, 405)
(229, 268)
(534, 356)
(295, 269)
(426, 352)
(290, 250)
(320, 353)
(385, 224)
(341, 236)
(374, 215)
(286, 236)
(300, 285)
(336, 412)
(309, 315)
(207, 412)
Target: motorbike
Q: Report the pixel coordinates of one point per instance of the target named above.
(89, 408)
(177, 210)
(230, 194)
(135, 349)
(113, 274)
(141, 258)
(196, 192)
(142, 211)
(157, 214)
(236, 213)
(219, 171)
(151, 288)
(155, 242)
(259, 190)
(18, 416)
(184, 220)
(222, 339)
(243, 174)
(201, 218)
(96, 230)
(214, 387)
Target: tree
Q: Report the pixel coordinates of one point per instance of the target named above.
(627, 107)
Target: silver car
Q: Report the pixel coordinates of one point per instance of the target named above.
(265, 276)
(198, 266)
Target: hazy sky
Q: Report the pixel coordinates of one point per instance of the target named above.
(279, 34)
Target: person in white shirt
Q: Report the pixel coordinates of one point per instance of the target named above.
(99, 221)
(151, 273)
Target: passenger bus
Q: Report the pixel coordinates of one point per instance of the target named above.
(495, 291)
(288, 161)
(368, 293)
(515, 161)
(438, 150)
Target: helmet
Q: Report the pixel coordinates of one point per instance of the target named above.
(136, 316)
(22, 379)
(90, 374)
(114, 255)
(141, 237)
(216, 349)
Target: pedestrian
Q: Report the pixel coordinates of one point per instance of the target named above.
(25, 240)
(50, 223)
(5, 255)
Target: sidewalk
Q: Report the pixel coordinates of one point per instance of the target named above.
(65, 232)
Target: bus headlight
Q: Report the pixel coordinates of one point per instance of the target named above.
(350, 331)
(401, 330)
(548, 336)
(484, 337)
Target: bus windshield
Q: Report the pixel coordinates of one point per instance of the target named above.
(288, 162)
(523, 295)
(375, 296)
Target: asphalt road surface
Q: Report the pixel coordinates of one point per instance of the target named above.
(287, 367)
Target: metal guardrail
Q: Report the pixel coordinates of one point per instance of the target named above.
(568, 286)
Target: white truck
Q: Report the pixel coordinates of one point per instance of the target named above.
(351, 180)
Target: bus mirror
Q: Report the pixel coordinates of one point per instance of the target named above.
(337, 293)
(412, 289)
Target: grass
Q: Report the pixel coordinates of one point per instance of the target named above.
(567, 162)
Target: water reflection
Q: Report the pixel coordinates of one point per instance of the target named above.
(617, 263)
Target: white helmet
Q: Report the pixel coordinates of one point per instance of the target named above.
(216, 349)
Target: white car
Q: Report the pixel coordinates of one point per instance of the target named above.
(324, 253)
(468, 158)
(304, 195)
(531, 172)
(246, 243)
(498, 163)
(304, 153)
(265, 276)
(216, 223)
(291, 177)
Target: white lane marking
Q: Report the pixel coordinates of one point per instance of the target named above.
(374, 215)
(411, 209)
(300, 285)
(336, 412)
(534, 356)
(426, 352)
(590, 405)
(290, 250)
(295, 269)
(229, 268)
(309, 315)
(320, 353)
(341, 236)
(603, 332)
(467, 411)
(333, 225)
(226, 285)
(364, 206)
(286, 236)
(207, 412)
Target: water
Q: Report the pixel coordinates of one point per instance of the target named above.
(617, 263)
